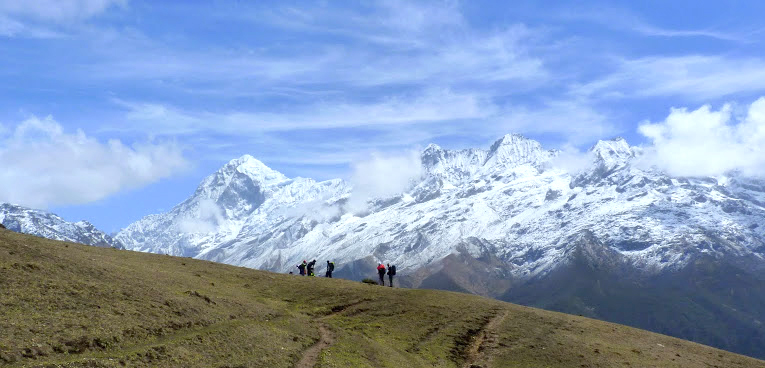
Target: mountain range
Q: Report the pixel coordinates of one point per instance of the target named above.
(614, 239)
(47, 225)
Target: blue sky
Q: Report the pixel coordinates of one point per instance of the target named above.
(114, 109)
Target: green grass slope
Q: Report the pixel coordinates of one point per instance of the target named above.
(70, 305)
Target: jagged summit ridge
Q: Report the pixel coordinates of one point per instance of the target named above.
(236, 170)
(244, 195)
(513, 150)
(40, 223)
(613, 151)
(257, 170)
(499, 201)
(506, 153)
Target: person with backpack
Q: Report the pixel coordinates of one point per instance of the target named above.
(391, 273)
(310, 267)
(330, 268)
(381, 273)
(302, 267)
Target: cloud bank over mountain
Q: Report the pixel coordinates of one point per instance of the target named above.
(708, 142)
(382, 176)
(44, 165)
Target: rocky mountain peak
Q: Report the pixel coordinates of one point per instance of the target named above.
(513, 150)
(612, 151)
(241, 177)
(432, 148)
(255, 169)
(431, 155)
(85, 224)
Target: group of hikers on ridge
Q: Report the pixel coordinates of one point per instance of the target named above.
(381, 273)
(306, 269)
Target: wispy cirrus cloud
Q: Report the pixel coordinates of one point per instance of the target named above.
(650, 30)
(570, 121)
(44, 19)
(395, 121)
(622, 19)
(333, 133)
(385, 65)
(466, 58)
(430, 106)
(57, 10)
(10, 27)
(696, 77)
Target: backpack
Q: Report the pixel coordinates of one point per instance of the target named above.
(331, 266)
(392, 270)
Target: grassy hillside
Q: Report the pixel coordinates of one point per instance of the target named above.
(64, 304)
(711, 300)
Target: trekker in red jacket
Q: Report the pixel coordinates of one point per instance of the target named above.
(381, 272)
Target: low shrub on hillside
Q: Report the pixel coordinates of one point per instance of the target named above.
(369, 281)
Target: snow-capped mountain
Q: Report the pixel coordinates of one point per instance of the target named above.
(509, 201)
(244, 198)
(615, 240)
(48, 225)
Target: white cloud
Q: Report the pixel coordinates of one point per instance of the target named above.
(705, 142)
(382, 176)
(43, 165)
(572, 160)
(317, 210)
(57, 10)
(697, 77)
(206, 220)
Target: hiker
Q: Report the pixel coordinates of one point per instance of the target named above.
(381, 273)
(391, 273)
(330, 268)
(310, 267)
(302, 267)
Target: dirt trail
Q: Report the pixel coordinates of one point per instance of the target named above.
(311, 356)
(479, 349)
(326, 338)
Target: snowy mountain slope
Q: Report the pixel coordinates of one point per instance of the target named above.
(615, 240)
(243, 197)
(47, 225)
(508, 201)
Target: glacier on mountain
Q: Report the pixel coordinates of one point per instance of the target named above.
(511, 201)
